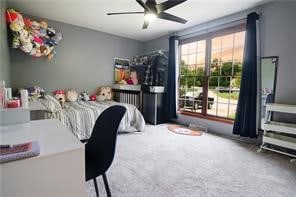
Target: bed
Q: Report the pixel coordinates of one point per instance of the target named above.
(80, 117)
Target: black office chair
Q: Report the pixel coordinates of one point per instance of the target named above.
(100, 148)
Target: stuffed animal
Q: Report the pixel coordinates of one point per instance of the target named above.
(28, 24)
(35, 92)
(15, 19)
(32, 37)
(15, 41)
(25, 40)
(93, 97)
(35, 25)
(43, 29)
(50, 32)
(51, 54)
(60, 96)
(71, 95)
(84, 96)
(104, 93)
(100, 98)
(57, 38)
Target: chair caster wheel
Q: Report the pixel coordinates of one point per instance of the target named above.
(259, 150)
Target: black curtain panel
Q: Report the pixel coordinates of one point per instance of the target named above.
(170, 110)
(245, 123)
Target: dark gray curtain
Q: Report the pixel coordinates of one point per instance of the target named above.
(245, 123)
(170, 109)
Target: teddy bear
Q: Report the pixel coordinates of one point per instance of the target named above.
(104, 93)
(71, 95)
(60, 96)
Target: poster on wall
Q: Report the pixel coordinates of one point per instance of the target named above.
(121, 70)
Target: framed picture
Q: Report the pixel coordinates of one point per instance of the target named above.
(121, 69)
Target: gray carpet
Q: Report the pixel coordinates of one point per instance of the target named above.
(159, 162)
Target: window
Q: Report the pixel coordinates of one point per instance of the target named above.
(210, 73)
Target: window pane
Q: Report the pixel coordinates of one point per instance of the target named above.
(237, 71)
(185, 59)
(212, 96)
(192, 47)
(238, 54)
(227, 55)
(201, 58)
(192, 59)
(190, 90)
(224, 94)
(227, 41)
(199, 70)
(239, 38)
(226, 58)
(216, 43)
(215, 62)
(232, 111)
(201, 46)
(226, 69)
(183, 68)
(184, 49)
(182, 91)
(197, 94)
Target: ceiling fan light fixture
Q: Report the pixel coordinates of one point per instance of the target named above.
(150, 17)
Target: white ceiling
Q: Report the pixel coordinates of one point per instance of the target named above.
(92, 14)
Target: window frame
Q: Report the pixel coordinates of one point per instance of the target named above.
(208, 38)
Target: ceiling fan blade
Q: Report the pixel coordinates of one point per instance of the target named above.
(170, 17)
(145, 25)
(143, 5)
(168, 4)
(117, 13)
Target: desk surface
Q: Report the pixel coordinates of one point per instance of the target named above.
(57, 171)
(53, 137)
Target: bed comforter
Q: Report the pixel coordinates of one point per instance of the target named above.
(80, 117)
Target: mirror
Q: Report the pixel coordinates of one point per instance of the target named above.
(268, 82)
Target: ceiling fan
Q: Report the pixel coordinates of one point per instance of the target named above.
(153, 10)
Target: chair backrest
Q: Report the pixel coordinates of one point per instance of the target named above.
(100, 149)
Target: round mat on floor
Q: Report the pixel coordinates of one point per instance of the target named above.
(183, 130)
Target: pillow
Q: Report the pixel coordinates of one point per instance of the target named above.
(51, 104)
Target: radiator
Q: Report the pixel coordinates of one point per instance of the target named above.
(129, 97)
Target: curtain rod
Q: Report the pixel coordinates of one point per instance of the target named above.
(234, 21)
(195, 32)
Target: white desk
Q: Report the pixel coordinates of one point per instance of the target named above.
(58, 171)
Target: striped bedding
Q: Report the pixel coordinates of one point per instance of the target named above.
(80, 117)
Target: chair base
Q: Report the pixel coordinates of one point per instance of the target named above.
(106, 186)
(96, 187)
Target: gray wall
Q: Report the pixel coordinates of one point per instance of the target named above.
(277, 34)
(4, 52)
(84, 60)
